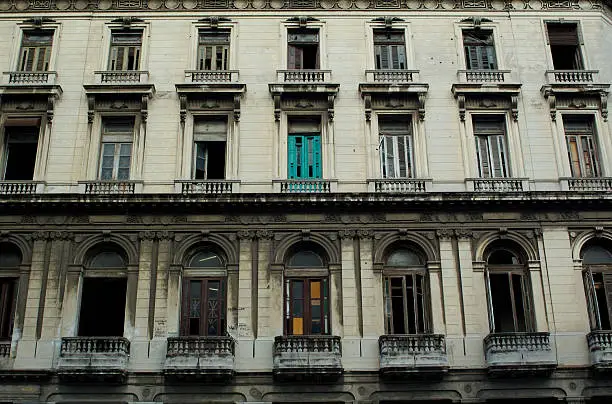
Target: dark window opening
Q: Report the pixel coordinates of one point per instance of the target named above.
(102, 307)
(405, 304)
(581, 145)
(303, 49)
(35, 50)
(597, 260)
(389, 49)
(491, 146)
(8, 295)
(479, 49)
(21, 146)
(213, 50)
(508, 297)
(210, 161)
(564, 46)
(125, 50)
(204, 307)
(307, 306)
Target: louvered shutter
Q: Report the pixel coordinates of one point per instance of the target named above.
(497, 147)
(562, 34)
(482, 155)
(472, 56)
(490, 302)
(316, 156)
(607, 280)
(292, 157)
(593, 307)
(384, 57)
(185, 308)
(401, 56)
(42, 62)
(490, 62)
(295, 58)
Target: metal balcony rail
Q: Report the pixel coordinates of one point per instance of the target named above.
(42, 77)
(18, 187)
(483, 76)
(498, 185)
(572, 76)
(519, 341)
(411, 344)
(94, 345)
(400, 185)
(305, 186)
(5, 349)
(211, 76)
(599, 340)
(109, 187)
(200, 346)
(307, 344)
(304, 76)
(391, 76)
(121, 76)
(208, 187)
(589, 184)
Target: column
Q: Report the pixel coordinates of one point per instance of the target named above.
(159, 311)
(350, 315)
(143, 286)
(450, 286)
(335, 299)
(372, 288)
(243, 327)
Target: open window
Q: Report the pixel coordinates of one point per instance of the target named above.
(302, 48)
(508, 289)
(35, 52)
(125, 50)
(396, 146)
(389, 49)
(581, 145)
(20, 149)
(116, 148)
(564, 41)
(213, 49)
(597, 270)
(304, 147)
(10, 259)
(491, 146)
(479, 49)
(209, 148)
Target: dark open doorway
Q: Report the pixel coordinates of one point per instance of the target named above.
(102, 307)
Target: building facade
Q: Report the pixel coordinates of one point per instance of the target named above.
(281, 201)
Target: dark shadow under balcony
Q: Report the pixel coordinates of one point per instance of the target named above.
(600, 349)
(308, 357)
(520, 353)
(103, 359)
(413, 355)
(200, 358)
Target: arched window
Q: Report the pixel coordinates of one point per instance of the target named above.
(405, 291)
(10, 259)
(204, 295)
(508, 289)
(597, 266)
(103, 297)
(306, 292)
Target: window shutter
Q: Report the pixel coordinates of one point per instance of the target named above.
(401, 55)
(185, 308)
(29, 59)
(482, 156)
(295, 58)
(593, 307)
(472, 56)
(394, 57)
(210, 129)
(562, 34)
(607, 279)
(292, 157)
(316, 156)
(490, 302)
(498, 156)
(42, 62)
(405, 154)
(489, 53)
(384, 57)
(389, 156)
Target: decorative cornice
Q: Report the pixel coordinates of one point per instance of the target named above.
(347, 234)
(156, 235)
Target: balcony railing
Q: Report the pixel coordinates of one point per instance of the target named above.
(121, 77)
(392, 76)
(407, 354)
(317, 356)
(587, 184)
(304, 76)
(31, 78)
(483, 76)
(94, 345)
(200, 356)
(94, 358)
(572, 76)
(208, 187)
(104, 187)
(304, 186)
(20, 187)
(600, 348)
(497, 184)
(408, 185)
(528, 352)
(5, 349)
(211, 76)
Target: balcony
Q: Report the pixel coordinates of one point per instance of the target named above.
(121, 77)
(392, 76)
(120, 84)
(476, 82)
(109, 187)
(303, 76)
(483, 76)
(40, 87)
(399, 185)
(200, 357)
(412, 355)
(593, 184)
(577, 77)
(5, 353)
(211, 76)
(600, 348)
(94, 359)
(207, 187)
(520, 353)
(30, 78)
(21, 187)
(310, 186)
(307, 357)
(563, 85)
(497, 184)
(382, 85)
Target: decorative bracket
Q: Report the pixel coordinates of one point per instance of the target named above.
(50, 108)
(91, 107)
(302, 20)
(330, 107)
(421, 97)
(127, 22)
(552, 104)
(367, 99)
(183, 107)
(144, 103)
(38, 22)
(461, 101)
(277, 107)
(514, 106)
(236, 107)
(604, 105)
(214, 21)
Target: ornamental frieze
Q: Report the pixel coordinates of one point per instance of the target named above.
(188, 5)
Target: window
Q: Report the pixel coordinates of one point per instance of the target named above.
(213, 50)
(125, 50)
(304, 148)
(491, 147)
(597, 265)
(306, 294)
(564, 46)
(203, 312)
(396, 146)
(20, 149)
(479, 49)
(507, 284)
(210, 138)
(405, 288)
(389, 49)
(10, 259)
(35, 50)
(581, 145)
(303, 49)
(116, 152)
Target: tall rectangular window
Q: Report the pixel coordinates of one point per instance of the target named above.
(564, 46)
(35, 50)
(306, 306)
(125, 50)
(581, 145)
(302, 49)
(479, 49)
(210, 138)
(213, 50)
(396, 146)
(203, 311)
(304, 148)
(491, 147)
(405, 304)
(389, 49)
(8, 287)
(116, 150)
(20, 148)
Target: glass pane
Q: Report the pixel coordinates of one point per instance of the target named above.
(596, 254)
(503, 257)
(602, 301)
(195, 292)
(404, 258)
(213, 290)
(305, 259)
(297, 289)
(107, 259)
(501, 296)
(315, 290)
(206, 259)
(519, 304)
(297, 308)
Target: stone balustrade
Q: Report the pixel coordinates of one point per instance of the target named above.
(519, 352)
(392, 76)
(594, 184)
(121, 77)
(497, 184)
(483, 76)
(304, 186)
(317, 356)
(94, 358)
(209, 357)
(572, 76)
(211, 76)
(31, 78)
(304, 76)
(408, 185)
(600, 349)
(20, 187)
(402, 355)
(207, 187)
(104, 187)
